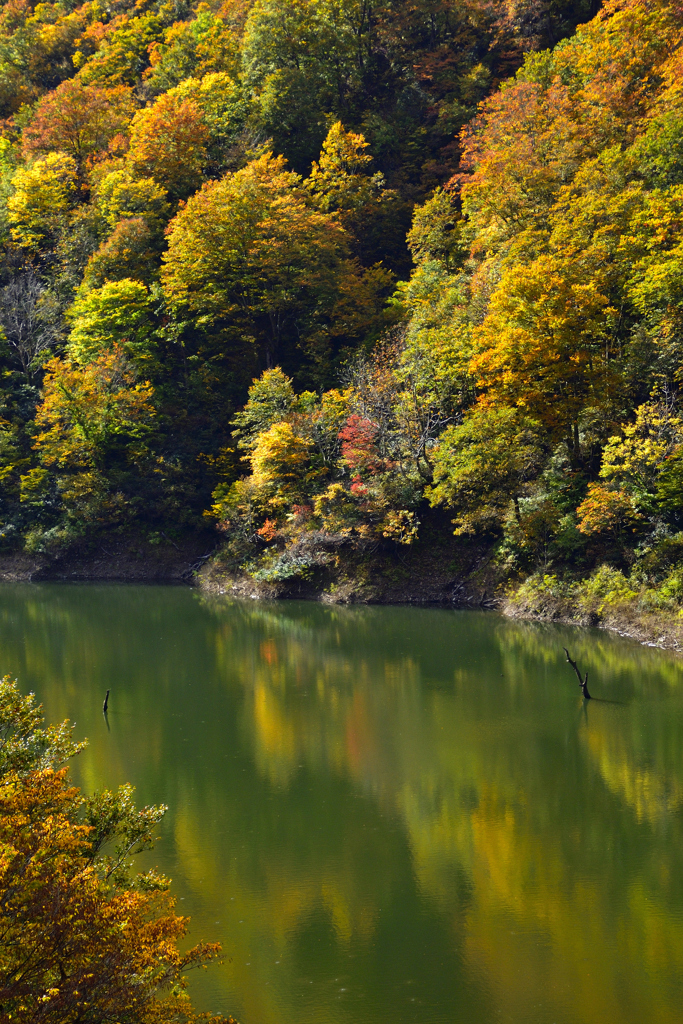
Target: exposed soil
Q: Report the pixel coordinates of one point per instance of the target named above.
(439, 569)
(662, 629)
(126, 558)
(446, 571)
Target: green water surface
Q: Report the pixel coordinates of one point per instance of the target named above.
(386, 815)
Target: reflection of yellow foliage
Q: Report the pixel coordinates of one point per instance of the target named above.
(349, 921)
(199, 872)
(652, 794)
(498, 851)
(448, 768)
(277, 737)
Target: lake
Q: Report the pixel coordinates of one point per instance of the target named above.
(386, 815)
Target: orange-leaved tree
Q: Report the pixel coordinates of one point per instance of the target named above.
(80, 939)
(168, 143)
(545, 343)
(78, 119)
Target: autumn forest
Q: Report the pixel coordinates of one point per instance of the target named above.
(342, 272)
(352, 291)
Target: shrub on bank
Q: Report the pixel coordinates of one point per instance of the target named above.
(634, 603)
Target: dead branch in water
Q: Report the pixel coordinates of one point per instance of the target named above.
(583, 683)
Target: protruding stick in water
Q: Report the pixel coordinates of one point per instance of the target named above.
(106, 703)
(583, 683)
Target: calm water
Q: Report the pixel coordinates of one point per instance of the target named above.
(386, 815)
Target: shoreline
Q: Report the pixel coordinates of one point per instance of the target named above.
(664, 632)
(380, 580)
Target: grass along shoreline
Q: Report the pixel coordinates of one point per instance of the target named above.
(607, 599)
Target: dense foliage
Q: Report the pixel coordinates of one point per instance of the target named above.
(441, 240)
(81, 938)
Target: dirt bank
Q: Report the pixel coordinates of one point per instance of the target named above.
(127, 558)
(341, 570)
(662, 628)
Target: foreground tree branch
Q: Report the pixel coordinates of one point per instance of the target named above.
(82, 940)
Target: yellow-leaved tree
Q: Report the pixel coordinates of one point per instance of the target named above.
(252, 255)
(93, 426)
(44, 195)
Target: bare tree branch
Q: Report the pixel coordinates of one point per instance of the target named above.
(28, 320)
(583, 682)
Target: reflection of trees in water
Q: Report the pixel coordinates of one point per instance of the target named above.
(637, 750)
(639, 760)
(245, 849)
(617, 662)
(483, 834)
(412, 766)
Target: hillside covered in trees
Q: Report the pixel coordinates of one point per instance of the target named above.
(338, 274)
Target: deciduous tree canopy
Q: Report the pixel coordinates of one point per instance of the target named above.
(81, 939)
(319, 267)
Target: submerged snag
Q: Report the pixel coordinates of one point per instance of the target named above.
(583, 683)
